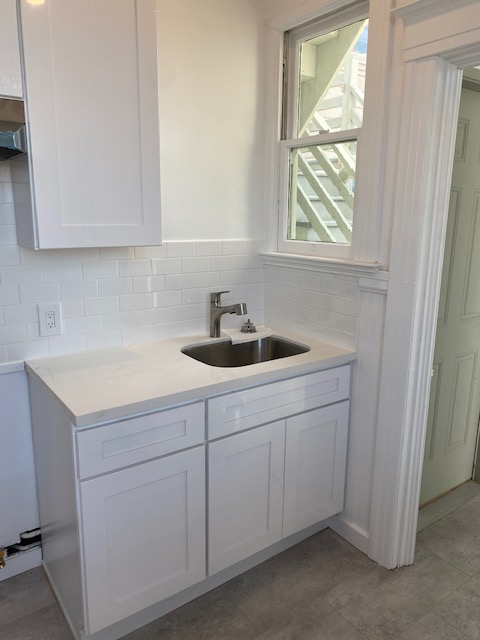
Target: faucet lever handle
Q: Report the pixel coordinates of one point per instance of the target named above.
(216, 297)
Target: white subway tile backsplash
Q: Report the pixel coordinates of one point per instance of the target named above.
(28, 350)
(191, 311)
(80, 255)
(40, 292)
(101, 305)
(119, 320)
(9, 255)
(250, 261)
(61, 345)
(143, 284)
(20, 274)
(33, 331)
(133, 335)
(194, 296)
(13, 333)
(312, 304)
(83, 324)
(73, 308)
(104, 340)
(242, 292)
(208, 247)
(346, 306)
(195, 265)
(180, 249)
(194, 327)
(208, 279)
(80, 289)
(63, 272)
(115, 286)
(229, 278)
(117, 253)
(20, 313)
(222, 263)
(167, 298)
(8, 234)
(179, 281)
(253, 275)
(234, 247)
(151, 252)
(155, 316)
(7, 213)
(98, 269)
(163, 266)
(6, 195)
(134, 268)
(118, 295)
(41, 258)
(134, 301)
(167, 330)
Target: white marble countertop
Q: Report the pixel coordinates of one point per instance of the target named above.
(97, 386)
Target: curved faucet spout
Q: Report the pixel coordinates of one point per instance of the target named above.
(217, 311)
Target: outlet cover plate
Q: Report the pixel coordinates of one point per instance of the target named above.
(49, 319)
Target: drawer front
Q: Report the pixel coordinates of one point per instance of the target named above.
(252, 407)
(120, 444)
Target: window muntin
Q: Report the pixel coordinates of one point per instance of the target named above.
(323, 114)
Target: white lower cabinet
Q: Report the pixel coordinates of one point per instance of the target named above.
(143, 535)
(315, 465)
(273, 481)
(129, 499)
(245, 491)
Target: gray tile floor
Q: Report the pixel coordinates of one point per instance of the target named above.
(322, 589)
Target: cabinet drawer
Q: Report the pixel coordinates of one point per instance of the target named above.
(132, 441)
(252, 407)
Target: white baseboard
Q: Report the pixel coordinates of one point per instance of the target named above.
(350, 532)
(21, 562)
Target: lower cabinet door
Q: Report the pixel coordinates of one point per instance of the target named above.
(315, 464)
(143, 535)
(245, 494)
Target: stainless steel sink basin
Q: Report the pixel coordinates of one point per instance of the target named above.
(226, 354)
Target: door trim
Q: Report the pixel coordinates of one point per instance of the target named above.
(432, 84)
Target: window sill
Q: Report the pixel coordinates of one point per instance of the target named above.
(335, 266)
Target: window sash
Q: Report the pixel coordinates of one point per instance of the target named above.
(289, 127)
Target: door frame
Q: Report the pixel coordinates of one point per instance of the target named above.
(439, 39)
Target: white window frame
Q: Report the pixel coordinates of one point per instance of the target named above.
(322, 24)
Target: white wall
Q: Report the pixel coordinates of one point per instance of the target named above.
(211, 164)
(211, 118)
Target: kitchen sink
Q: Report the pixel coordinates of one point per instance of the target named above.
(226, 354)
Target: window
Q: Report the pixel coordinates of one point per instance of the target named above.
(325, 64)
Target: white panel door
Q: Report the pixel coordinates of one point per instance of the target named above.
(143, 535)
(315, 463)
(455, 392)
(10, 75)
(245, 494)
(92, 114)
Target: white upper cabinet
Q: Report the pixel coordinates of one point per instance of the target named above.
(10, 75)
(90, 74)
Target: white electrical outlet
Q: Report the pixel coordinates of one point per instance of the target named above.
(49, 319)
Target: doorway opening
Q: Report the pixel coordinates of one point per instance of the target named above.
(451, 444)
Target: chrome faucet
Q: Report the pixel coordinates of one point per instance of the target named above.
(217, 311)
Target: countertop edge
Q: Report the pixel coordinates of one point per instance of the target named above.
(52, 374)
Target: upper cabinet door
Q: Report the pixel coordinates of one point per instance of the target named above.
(10, 75)
(90, 72)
